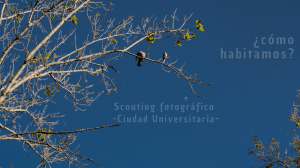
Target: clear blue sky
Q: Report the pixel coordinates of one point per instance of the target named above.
(249, 96)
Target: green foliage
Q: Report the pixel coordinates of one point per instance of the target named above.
(41, 136)
(297, 122)
(199, 25)
(74, 19)
(12, 8)
(40, 58)
(150, 37)
(187, 35)
(18, 19)
(47, 92)
(51, 90)
(43, 164)
(33, 59)
(138, 28)
(198, 21)
(178, 43)
(112, 40)
(174, 17)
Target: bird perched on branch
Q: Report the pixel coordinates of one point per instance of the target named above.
(141, 54)
(165, 56)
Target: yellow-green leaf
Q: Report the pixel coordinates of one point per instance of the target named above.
(74, 19)
(178, 43)
(198, 21)
(187, 35)
(43, 164)
(137, 27)
(18, 19)
(150, 37)
(200, 27)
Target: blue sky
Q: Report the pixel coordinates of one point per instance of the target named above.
(249, 96)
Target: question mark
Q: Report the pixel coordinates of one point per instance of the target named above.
(292, 51)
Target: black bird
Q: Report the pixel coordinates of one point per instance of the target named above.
(143, 55)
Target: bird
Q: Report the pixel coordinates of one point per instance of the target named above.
(141, 54)
(165, 56)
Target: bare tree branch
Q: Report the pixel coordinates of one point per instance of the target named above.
(35, 66)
